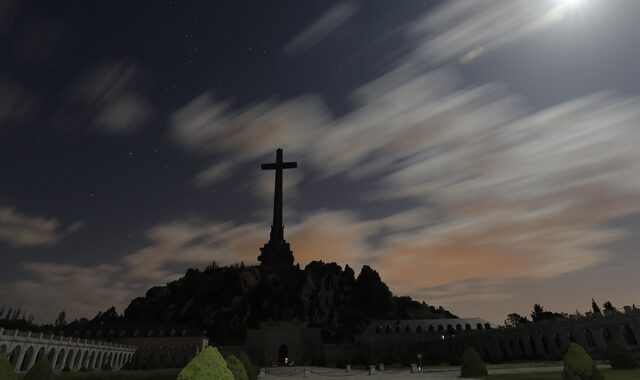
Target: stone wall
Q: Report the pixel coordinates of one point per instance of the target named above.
(545, 340)
(163, 352)
(24, 348)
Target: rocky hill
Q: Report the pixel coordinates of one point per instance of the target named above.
(224, 301)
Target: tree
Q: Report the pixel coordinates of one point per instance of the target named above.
(208, 364)
(251, 371)
(538, 313)
(42, 370)
(6, 369)
(515, 319)
(595, 308)
(608, 306)
(578, 365)
(61, 321)
(471, 364)
(237, 368)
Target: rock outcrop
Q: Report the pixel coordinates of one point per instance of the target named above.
(224, 301)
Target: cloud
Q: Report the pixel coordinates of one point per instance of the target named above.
(172, 248)
(18, 104)
(106, 97)
(328, 23)
(533, 190)
(463, 28)
(23, 230)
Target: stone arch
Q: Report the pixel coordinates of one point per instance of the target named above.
(588, 337)
(26, 360)
(407, 329)
(14, 356)
(99, 360)
(76, 359)
(628, 336)
(91, 362)
(41, 354)
(558, 343)
(467, 326)
(69, 362)
(487, 326)
(59, 362)
(606, 334)
(532, 343)
(440, 328)
(572, 339)
(51, 355)
(504, 349)
(545, 344)
(458, 327)
(84, 362)
(523, 351)
(478, 326)
(431, 328)
(3, 349)
(512, 346)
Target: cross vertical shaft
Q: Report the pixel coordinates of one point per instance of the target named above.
(277, 226)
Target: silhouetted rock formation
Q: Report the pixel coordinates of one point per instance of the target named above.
(224, 301)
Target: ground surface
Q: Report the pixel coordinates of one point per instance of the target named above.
(608, 374)
(521, 371)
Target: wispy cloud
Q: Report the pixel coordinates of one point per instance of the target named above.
(106, 97)
(22, 230)
(18, 104)
(530, 189)
(328, 23)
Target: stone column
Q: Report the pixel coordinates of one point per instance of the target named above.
(372, 370)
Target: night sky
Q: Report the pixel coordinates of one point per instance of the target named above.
(481, 155)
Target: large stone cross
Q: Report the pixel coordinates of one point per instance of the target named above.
(277, 227)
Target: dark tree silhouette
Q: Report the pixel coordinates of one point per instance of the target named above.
(515, 319)
(595, 308)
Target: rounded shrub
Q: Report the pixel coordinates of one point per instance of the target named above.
(251, 371)
(471, 364)
(207, 365)
(41, 370)
(620, 357)
(578, 365)
(6, 369)
(237, 368)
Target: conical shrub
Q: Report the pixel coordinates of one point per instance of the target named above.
(251, 371)
(620, 357)
(6, 369)
(207, 365)
(237, 368)
(41, 370)
(578, 365)
(472, 364)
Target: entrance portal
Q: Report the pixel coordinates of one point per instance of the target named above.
(283, 355)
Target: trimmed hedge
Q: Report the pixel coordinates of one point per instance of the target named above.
(251, 371)
(620, 357)
(471, 364)
(578, 365)
(6, 369)
(237, 368)
(42, 370)
(207, 365)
